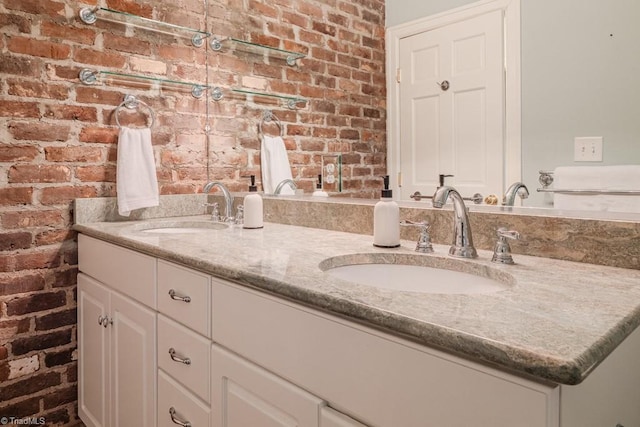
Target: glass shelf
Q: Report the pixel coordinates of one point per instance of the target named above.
(290, 101)
(91, 15)
(259, 49)
(92, 77)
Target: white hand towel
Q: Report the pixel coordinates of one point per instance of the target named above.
(274, 163)
(136, 181)
(612, 178)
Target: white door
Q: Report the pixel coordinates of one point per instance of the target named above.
(457, 130)
(133, 363)
(244, 394)
(93, 380)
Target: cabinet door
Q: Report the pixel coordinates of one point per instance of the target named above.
(93, 380)
(243, 394)
(133, 363)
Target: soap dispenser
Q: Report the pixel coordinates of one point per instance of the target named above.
(386, 220)
(319, 191)
(253, 207)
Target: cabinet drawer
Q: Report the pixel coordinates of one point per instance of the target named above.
(186, 345)
(128, 272)
(185, 285)
(173, 397)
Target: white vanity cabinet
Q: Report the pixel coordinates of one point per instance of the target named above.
(255, 359)
(116, 336)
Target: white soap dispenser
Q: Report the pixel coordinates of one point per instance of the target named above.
(253, 207)
(386, 220)
(319, 191)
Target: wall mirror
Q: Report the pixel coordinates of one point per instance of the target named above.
(579, 78)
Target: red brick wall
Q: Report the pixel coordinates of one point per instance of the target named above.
(58, 140)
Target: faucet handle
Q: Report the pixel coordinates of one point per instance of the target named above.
(424, 240)
(502, 250)
(215, 212)
(239, 215)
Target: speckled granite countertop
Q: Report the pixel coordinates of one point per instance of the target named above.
(556, 321)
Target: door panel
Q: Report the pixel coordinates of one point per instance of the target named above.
(459, 130)
(93, 383)
(133, 363)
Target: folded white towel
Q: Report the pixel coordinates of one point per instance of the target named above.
(619, 177)
(136, 181)
(275, 164)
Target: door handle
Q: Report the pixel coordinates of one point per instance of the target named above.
(175, 296)
(176, 420)
(444, 85)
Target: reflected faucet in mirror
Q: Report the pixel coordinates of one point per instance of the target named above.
(510, 195)
(284, 182)
(462, 246)
(228, 198)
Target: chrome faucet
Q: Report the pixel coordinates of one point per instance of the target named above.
(516, 188)
(283, 183)
(462, 246)
(228, 198)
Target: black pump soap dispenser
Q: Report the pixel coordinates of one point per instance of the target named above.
(386, 219)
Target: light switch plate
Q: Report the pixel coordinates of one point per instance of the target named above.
(588, 149)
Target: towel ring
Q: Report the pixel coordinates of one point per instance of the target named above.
(268, 116)
(131, 102)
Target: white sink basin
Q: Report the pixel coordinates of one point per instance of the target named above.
(413, 273)
(181, 227)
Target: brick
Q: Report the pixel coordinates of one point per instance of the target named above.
(35, 218)
(23, 408)
(56, 320)
(36, 7)
(17, 368)
(325, 132)
(60, 417)
(60, 358)
(15, 196)
(4, 353)
(66, 194)
(101, 58)
(17, 153)
(31, 260)
(176, 53)
(25, 345)
(36, 302)
(96, 173)
(350, 134)
(39, 173)
(14, 240)
(145, 65)
(131, 6)
(19, 109)
(127, 44)
(72, 154)
(51, 237)
(307, 9)
(13, 283)
(22, 24)
(295, 19)
(41, 48)
(90, 95)
(30, 385)
(65, 278)
(9, 329)
(21, 66)
(71, 112)
(31, 89)
(60, 397)
(324, 28)
(39, 131)
(68, 32)
(99, 135)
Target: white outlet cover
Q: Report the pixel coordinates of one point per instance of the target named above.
(588, 149)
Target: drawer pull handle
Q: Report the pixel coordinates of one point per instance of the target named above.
(177, 358)
(178, 297)
(177, 420)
